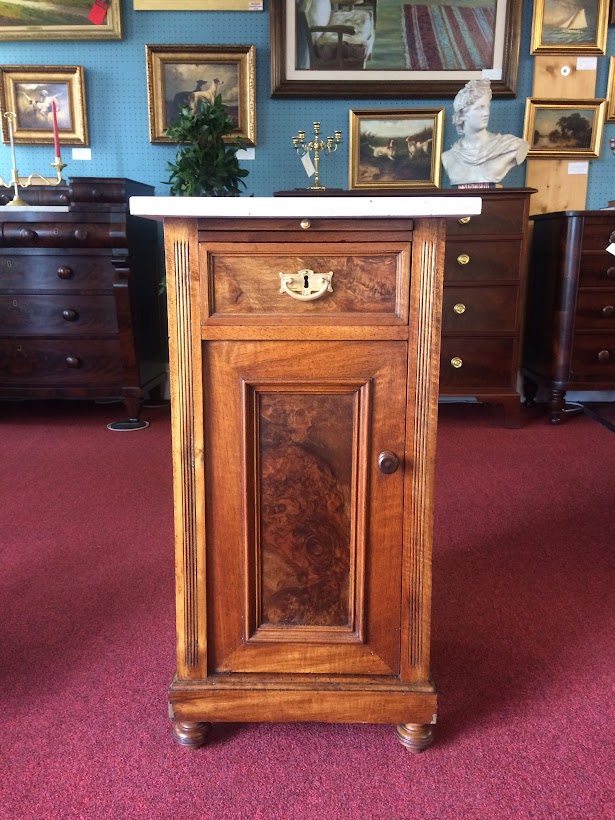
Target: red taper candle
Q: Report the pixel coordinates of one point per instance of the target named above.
(56, 136)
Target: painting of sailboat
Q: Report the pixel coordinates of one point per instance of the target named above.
(564, 25)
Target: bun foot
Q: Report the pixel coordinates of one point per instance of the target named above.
(416, 737)
(191, 735)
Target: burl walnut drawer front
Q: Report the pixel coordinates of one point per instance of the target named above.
(57, 315)
(595, 310)
(480, 261)
(479, 309)
(593, 358)
(52, 362)
(499, 216)
(50, 272)
(476, 362)
(307, 284)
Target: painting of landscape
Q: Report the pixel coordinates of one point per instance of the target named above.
(66, 20)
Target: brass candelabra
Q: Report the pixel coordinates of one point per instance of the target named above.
(318, 146)
(15, 182)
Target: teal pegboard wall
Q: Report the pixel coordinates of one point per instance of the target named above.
(116, 90)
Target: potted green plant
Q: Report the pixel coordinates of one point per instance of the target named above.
(205, 165)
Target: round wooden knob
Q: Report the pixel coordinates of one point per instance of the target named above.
(459, 308)
(464, 220)
(463, 259)
(305, 224)
(387, 462)
(456, 362)
(610, 274)
(608, 310)
(70, 315)
(64, 272)
(73, 361)
(81, 234)
(604, 356)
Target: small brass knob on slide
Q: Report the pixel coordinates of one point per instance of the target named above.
(456, 362)
(387, 462)
(459, 308)
(463, 259)
(305, 224)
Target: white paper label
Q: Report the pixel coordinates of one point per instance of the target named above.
(306, 159)
(491, 74)
(255, 5)
(611, 249)
(578, 167)
(245, 153)
(82, 153)
(587, 63)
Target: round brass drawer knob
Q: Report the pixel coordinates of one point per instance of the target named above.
(70, 315)
(387, 462)
(73, 361)
(459, 308)
(604, 356)
(64, 272)
(463, 259)
(305, 224)
(464, 220)
(608, 310)
(456, 362)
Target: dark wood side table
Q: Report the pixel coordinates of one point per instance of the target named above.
(81, 315)
(570, 315)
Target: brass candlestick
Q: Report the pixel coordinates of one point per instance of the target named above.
(329, 146)
(14, 181)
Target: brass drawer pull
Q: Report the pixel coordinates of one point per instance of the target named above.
(608, 310)
(463, 259)
(464, 220)
(305, 224)
(604, 356)
(459, 308)
(306, 285)
(456, 362)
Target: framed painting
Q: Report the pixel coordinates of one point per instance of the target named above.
(396, 148)
(179, 75)
(610, 93)
(569, 27)
(67, 20)
(392, 48)
(564, 129)
(30, 90)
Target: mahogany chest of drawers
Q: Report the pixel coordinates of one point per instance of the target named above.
(80, 311)
(570, 316)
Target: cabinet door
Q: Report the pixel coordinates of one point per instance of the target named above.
(303, 530)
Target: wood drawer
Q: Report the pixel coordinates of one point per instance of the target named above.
(62, 234)
(486, 363)
(500, 216)
(597, 270)
(370, 283)
(46, 362)
(479, 309)
(593, 358)
(57, 315)
(597, 232)
(60, 272)
(595, 310)
(482, 260)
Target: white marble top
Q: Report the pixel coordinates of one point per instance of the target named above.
(54, 208)
(161, 207)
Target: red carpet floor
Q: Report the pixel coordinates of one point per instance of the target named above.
(523, 638)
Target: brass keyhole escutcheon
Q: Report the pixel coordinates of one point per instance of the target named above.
(456, 362)
(387, 462)
(459, 308)
(463, 259)
(305, 224)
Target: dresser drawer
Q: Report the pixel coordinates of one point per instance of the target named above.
(474, 260)
(479, 309)
(48, 362)
(597, 270)
(64, 234)
(595, 310)
(369, 283)
(59, 272)
(476, 363)
(593, 358)
(499, 216)
(57, 315)
(597, 232)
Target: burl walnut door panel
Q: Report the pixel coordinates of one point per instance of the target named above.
(303, 530)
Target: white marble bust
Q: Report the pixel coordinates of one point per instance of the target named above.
(480, 155)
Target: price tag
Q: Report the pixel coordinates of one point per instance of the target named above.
(306, 159)
(611, 249)
(578, 167)
(99, 12)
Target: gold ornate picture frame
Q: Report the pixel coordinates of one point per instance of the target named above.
(610, 93)
(28, 91)
(180, 75)
(396, 148)
(569, 27)
(62, 21)
(569, 129)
